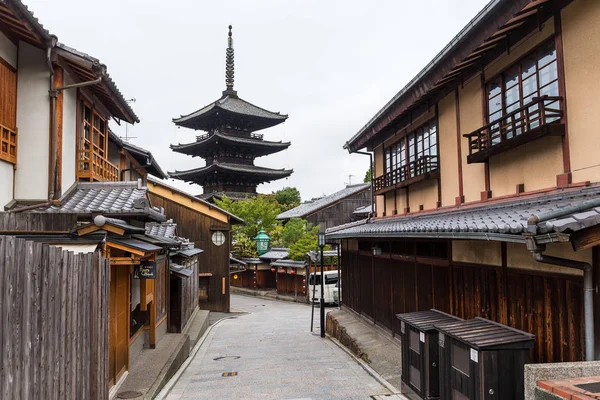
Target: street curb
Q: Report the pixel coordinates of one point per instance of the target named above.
(368, 369)
(169, 385)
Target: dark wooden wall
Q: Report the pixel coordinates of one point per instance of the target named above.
(265, 279)
(548, 305)
(290, 284)
(54, 322)
(27, 222)
(199, 228)
(340, 212)
(244, 280)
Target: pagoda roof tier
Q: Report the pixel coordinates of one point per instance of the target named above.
(205, 144)
(249, 174)
(227, 109)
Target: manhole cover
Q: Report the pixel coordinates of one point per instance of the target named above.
(130, 394)
(229, 373)
(593, 387)
(226, 358)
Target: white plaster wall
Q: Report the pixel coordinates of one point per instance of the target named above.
(69, 146)
(8, 50)
(6, 183)
(33, 121)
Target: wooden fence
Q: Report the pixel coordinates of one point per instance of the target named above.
(53, 322)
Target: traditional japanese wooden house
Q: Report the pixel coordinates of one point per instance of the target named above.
(291, 277)
(230, 144)
(209, 228)
(332, 210)
(486, 182)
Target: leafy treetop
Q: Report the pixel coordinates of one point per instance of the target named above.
(288, 198)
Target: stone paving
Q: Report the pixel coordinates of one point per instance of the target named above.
(275, 356)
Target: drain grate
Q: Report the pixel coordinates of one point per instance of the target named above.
(229, 374)
(226, 358)
(129, 394)
(593, 387)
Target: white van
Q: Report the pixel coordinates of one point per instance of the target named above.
(331, 283)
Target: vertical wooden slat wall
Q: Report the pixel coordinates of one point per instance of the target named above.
(548, 305)
(53, 323)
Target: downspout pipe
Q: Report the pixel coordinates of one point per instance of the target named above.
(53, 96)
(588, 294)
(373, 206)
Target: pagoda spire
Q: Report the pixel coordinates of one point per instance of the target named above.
(229, 66)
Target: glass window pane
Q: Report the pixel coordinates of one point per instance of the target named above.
(511, 77)
(550, 90)
(546, 54)
(494, 88)
(495, 104)
(529, 86)
(511, 96)
(548, 74)
(528, 68)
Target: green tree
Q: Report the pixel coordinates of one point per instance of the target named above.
(288, 198)
(295, 228)
(243, 246)
(367, 176)
(304, 244)
(258, 212)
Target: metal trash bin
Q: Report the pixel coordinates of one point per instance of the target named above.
(481, 359)
(420, 350)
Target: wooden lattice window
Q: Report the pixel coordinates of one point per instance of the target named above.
(8, 112)
(92, 153)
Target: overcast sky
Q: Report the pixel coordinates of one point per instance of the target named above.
(329, 65)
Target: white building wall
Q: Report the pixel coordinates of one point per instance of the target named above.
(8, 50)
(69, 146)
(6, 183)
(33, 122)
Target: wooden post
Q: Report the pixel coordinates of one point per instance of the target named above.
(56, 170)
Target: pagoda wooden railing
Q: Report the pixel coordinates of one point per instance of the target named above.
(8, 144)
(92, 166)
(407, 174)
(205, 136)
(543, 116)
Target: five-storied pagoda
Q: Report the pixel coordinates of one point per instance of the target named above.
(230, 143)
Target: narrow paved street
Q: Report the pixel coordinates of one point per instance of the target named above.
(275, 356)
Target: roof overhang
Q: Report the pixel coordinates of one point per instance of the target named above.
(499, 25)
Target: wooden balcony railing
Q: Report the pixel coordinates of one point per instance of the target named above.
(543, 116)
(8, 144)
(253, 135)
(91, 166)
(418, 170)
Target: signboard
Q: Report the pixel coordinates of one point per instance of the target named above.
(146, 270)
(474, 355)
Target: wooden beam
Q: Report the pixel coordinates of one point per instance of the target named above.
(124, 261)
(508, 29)
(127, 248)
(153, 325)
(586, 238)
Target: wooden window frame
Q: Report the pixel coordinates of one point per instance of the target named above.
(518, 64)
(416, 164)
(9, 137)
(92, 144)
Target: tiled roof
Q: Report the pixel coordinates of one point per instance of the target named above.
(106, 198)
(316, 255)
(276, 253)
(289, 263)
(267, 173)
(230, 195)
(562, 211)
(142, 156)
(308, 208)
(234, 219)
(233, 105)
(260, 147)
(165, 229)
(364, 210)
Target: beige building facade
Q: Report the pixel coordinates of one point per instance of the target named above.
(492, 146)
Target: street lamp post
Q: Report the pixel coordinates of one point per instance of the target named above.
(322, 300)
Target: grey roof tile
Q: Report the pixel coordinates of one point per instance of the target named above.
(108, 198)
(507, 218)
(165, 229)
(308, 208)
(276, 253)
(289, 263)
